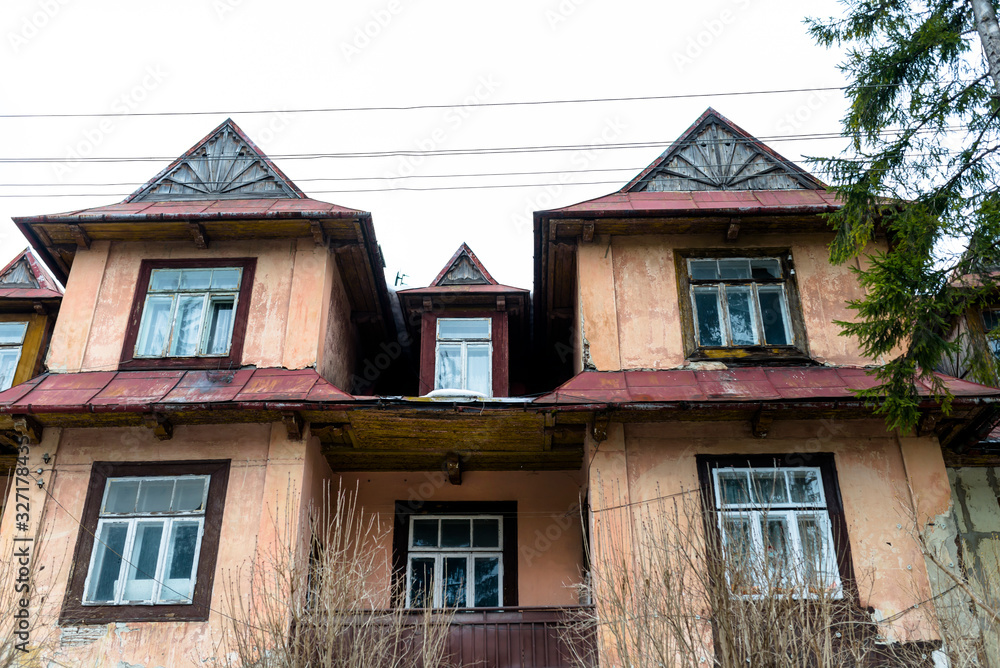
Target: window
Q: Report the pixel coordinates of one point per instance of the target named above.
(455, 554)
(740, 302)
(148, 543)
(11, 340)
(158, 523)
(189, 314)
(463, 357)
(779, 525)
(455, 562)
(991, 326)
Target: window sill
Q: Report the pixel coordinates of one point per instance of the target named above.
(178, 363)
(106, 614)
(756, 355)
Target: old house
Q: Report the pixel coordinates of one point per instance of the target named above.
(227, 345)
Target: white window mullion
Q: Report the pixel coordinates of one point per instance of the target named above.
(126, 561)
(161, 560)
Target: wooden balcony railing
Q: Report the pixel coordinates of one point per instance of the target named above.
(518, 638)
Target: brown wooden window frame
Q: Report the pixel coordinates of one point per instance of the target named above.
(824, 461)
(235, 356)
(797, 352)
(75, 612)
(499, 339)
(404, 510)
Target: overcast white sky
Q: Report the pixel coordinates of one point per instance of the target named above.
(71, 56)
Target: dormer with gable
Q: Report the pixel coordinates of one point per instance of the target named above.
(219, 262)
(470, 331)
(29, 302)
(716, 252)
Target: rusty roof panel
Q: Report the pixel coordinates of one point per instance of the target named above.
(208, 387)
(278, 385)
(138, 387)
(128, 390)
(703, 201)
(740, 384)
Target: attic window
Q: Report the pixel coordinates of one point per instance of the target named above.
(464, 355)
(189, 314)
(11, 340)
(741, 307)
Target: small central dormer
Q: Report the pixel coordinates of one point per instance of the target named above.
(470, 330)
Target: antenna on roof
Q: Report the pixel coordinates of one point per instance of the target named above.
(400, 278)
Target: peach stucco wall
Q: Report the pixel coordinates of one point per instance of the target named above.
(880, 476)
(628, 298)
(272, 482)
(299, 316)
(549, 527)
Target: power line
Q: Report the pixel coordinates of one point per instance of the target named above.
(416, 107)
(462, 152)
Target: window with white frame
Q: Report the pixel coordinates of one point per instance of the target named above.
(189, 312)
(740, 302)
(455, 561)
(464, 355)
(11, 340)
(148, 541)
(776, 530)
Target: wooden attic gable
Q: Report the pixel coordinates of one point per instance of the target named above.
(464, 268)
(717, 154)
(226, 164)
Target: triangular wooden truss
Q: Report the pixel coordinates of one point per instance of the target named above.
(716, 154)
(224, 165)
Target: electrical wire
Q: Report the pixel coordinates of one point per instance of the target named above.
(464, 151)
(457, 105)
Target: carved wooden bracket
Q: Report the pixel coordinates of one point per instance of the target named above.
(588, 232)
(198, 235)
(453, 465)
(600, 429)
(79, 236)
(760, 423)
(501, 303)
(319, 236)
(733, 233)
(161, 425)
(294, 424)
(25, 425)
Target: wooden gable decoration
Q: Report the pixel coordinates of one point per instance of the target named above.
(18, 274)
(464, 268)
(716, 154)
(223, 165)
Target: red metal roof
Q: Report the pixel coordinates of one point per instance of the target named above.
(201, 210)
(738, 384)
(47, 288)
(743, 202)
(130, 391)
